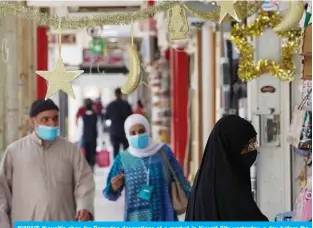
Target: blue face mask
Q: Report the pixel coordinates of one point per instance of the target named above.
(47, 133)
(139, 141)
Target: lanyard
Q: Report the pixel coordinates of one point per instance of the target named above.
(147, 169)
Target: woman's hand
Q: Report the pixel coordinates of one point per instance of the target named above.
(117, 182)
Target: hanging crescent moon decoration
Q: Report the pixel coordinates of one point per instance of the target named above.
(292, 17)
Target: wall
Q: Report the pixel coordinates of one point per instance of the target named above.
(273, 164)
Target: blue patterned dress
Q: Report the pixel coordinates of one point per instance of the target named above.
(159, 207)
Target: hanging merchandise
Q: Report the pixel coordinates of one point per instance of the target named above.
(300, 132)
(307, 53)
(306, 89)
(97, 46)
(248, 69)
(303, 205)
(308, 14)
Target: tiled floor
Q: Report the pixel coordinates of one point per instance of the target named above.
(106, 210)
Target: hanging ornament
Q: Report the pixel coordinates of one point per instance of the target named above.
(177, 23)
(134, 75)
(59, 78)
(308, 14)
(244, 9)
(227, 8)
(248, 69)
(97, 46)
(292, 17)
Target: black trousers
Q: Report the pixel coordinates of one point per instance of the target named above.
(90, 148)
(116, 143)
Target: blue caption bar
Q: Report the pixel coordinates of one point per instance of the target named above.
(163, 225)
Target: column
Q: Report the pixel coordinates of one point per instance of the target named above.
(23, 73)
(11, 124)
(208, 83)
(179, 64)
(42, 60)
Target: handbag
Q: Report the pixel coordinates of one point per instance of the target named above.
(103, 157)
(178, 195)
(300, 132)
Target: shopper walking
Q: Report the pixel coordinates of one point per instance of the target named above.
(43, 177)
(88, 125)
(118, 111)
(222, 187)
(143, 173)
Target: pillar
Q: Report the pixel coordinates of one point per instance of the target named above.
(42, 60)
(11, 124)
(179, 64)
(208, 83)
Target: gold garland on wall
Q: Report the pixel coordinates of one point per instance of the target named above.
(244, 9)
(248, 70)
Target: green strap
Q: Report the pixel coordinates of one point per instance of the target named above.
(307, 19)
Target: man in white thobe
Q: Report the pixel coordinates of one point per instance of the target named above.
(43, 177)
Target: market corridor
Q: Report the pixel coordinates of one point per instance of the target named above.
(106, 210)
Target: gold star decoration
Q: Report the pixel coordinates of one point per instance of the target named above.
(59, 79)
(227, 8)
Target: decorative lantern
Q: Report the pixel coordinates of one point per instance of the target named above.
(177, 23)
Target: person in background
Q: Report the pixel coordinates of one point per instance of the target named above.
(140, 108)
(44, 177)
(98, 106)
(118, 111)
(89, 134)
(81, 111)
(222, 187)
(142, 169)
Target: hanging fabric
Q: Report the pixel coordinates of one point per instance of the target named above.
(300, 131)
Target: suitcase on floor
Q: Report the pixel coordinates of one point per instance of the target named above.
(103, 158)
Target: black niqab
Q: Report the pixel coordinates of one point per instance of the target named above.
(222, 187)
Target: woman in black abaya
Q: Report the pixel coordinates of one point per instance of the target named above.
(222, 188)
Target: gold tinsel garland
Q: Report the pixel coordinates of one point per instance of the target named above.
(245, 9)
(83, 22)
(248, 70)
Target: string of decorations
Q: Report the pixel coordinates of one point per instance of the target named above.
(243, 9)
(83, 22)
(247, 69)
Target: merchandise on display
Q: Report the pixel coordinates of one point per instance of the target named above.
(307, 53)
(247, 69)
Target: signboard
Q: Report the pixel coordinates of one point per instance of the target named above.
(114, 59)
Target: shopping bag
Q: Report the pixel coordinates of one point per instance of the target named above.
(103, 158)
(300, 131)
